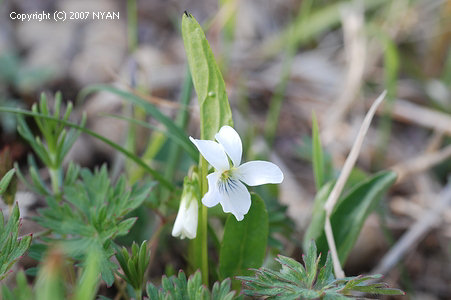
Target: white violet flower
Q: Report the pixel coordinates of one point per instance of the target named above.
(225, 185)
(186, 221)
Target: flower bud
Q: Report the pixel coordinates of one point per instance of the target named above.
(186, 221)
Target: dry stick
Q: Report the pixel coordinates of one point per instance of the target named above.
(347, 167)
(412, 237)
(405, 111)
(421, 163)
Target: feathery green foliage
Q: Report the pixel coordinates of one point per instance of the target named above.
(93, 213)
(309, 281)
(11, 246)
(57, 141)
(178, 288)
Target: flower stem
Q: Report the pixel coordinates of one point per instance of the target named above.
(203, 223)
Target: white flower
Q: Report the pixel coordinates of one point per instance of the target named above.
(225, 184)
(186, 221)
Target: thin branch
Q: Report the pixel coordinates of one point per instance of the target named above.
(408, 112)
(347, 167)
(421, 163)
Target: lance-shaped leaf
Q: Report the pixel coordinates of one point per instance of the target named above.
(207, 79)
(349, 214)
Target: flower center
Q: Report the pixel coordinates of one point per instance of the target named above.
(226, 182)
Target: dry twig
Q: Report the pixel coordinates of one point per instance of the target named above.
(408, 112)
(421, 163)
(335, 193)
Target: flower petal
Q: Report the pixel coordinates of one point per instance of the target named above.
(213, 153)
(259, 172)
(186, 221)
(231, 141)
(212, 197)
(235, 198)
(191, 219)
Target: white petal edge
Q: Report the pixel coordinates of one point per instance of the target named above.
(259, 172)
(191, 219)
(178, 224)
(213, 153)
(212, 197)
(231, 141)
(185, 224)
(236, 200)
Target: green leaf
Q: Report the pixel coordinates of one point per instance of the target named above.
(4, 182)
(316, 226)
(326, 275)
(207, 79)
(380, 289)
(352, 210)
(311, 264)
(244, 242)
(317, 152)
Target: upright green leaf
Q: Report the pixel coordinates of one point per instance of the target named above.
(244, 243)
(316, 225)
(207, 79)
(351, 212)
(317, 155)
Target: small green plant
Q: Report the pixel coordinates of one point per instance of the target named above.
(309, 281)
(92, 213)
(57, 140)
(178, 288)
(134, 266)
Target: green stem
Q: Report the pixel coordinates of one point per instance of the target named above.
(55, 178)
(138, 294)
(204, 222)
